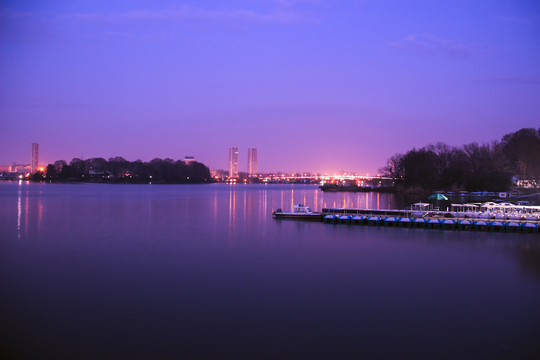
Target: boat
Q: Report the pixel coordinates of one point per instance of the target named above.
(448, 223)
(405, 221)
(344, 219)
(330, 218)
(300, 212)
(357, 219)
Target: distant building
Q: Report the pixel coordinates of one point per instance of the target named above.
(189, 159)
(233, 162)
(35, 158)
(21, 168)
(252, 162)
(219, 174)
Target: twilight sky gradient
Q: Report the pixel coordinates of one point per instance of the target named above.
(315, 85)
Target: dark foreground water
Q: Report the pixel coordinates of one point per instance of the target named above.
(125, 271)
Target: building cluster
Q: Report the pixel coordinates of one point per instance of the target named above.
(233, 163)
(23, 170)
(233, 174)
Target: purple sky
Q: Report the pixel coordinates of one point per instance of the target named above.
(314, 85)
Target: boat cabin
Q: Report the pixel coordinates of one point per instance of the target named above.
(301, 209)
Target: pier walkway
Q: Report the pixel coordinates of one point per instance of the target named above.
(429, 220)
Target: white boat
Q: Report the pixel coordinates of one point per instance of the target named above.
(533, 217)
(515, 216)
(299, 212)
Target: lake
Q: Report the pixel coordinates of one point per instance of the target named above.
(198, 271)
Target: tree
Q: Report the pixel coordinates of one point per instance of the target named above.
(37, 176)
(59, 165)
(420, 168)
(521, 151)
(440, 166)
(78, 168)
(97, 164)
(51, 173)
(66, 173)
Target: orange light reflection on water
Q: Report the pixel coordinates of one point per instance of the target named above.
(19, 210)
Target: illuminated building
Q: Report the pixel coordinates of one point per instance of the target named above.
(21, 168)
(35, 158)
(189, 159)
(233, 162)
(219, 174)
(252, 162)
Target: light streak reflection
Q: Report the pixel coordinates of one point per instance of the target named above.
(19, 211)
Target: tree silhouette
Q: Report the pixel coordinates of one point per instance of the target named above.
(120, 170)
(473, 167)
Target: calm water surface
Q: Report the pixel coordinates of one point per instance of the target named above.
(110, 271)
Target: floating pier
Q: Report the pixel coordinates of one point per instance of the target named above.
(441, 220)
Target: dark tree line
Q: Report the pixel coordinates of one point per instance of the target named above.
(473, 167)
(119, 170)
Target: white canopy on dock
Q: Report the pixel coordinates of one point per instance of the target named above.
(472, 206)
(489, 204)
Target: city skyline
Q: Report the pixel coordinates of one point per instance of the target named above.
(315, 85)
(232, 172)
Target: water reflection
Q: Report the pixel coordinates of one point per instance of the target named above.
(367, 199)
(215, 213)
(26, 212)
(232, 211)
(40, 211)
(292, 197)
(19, 211)
(29, 213)
(264, 202)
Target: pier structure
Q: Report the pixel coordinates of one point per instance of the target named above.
(442, 220)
